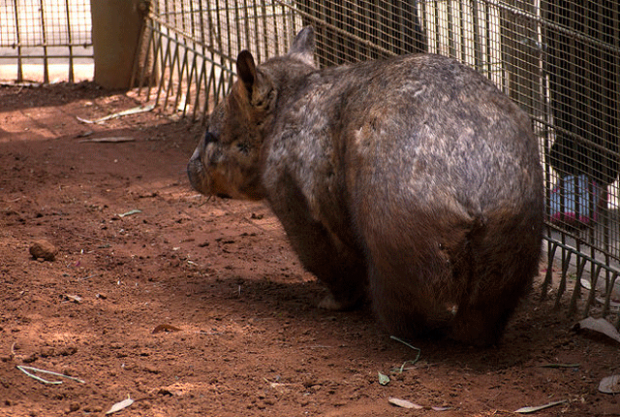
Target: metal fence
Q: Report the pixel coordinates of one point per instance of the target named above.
(43, 37)
(559, 60)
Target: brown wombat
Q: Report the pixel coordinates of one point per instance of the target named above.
(412, 177)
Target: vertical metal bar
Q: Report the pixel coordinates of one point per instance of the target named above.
(217, 36)
(180, 40)
(228, 29)
(199, 75)
(157, 52)
(488, 56)
(192, 81)
(20, 68)
(70, 42)
(255, 20)
(216, 82)
(171, 78)
(286, 23)
(604, 212)
(572, 307)
(210, 83)
(451, 34)
(182, 64)
(157, 45)
(190, 69)
(551, 248)
(164, 69)
(463, 56)
(265, 26)
(275, 28)
(180, 86)
(477, 42)
(592, 294)
(563, 277)
(423, 17)
(608, 291)
(151, 43)
(238, 20)
(203, 34)
(437, 28)
(46, 75)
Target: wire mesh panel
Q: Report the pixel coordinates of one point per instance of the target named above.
(582, 70)
(191, 47)
(41, 34)
(559, 60)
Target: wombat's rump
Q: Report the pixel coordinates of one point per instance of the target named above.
(413, 177)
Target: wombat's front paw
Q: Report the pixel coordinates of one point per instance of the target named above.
(330, 303)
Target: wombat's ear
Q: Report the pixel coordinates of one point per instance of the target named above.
(258, 86)
(303, 45)
(246, 70)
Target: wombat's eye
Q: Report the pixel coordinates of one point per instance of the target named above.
(243, 147)
(210, 138)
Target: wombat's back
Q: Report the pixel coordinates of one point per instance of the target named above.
(447, 196)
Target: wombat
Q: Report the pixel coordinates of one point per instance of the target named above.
(412, 179)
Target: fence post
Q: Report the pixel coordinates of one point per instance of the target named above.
(117, 26)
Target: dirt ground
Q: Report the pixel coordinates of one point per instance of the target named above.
(198, 307)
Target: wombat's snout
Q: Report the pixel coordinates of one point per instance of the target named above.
(201, 171)
(195, 167)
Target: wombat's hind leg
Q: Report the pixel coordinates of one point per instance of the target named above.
(401, 308)
(503, 265)
(481, 325)
(338, 264)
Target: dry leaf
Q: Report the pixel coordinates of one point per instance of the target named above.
(528, 410)
(120, 405)
(601, 326)
(383, 379)
(130, 213)
(165, 328)
(610, 385)
(140, 109)
(111, 139)
(404, 403)
(75, 298)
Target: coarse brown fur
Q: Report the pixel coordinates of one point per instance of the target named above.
(413, 177)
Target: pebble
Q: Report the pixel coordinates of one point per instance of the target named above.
(43, 249)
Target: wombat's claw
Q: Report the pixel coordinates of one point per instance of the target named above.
(330, 303)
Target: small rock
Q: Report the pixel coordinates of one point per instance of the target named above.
(43, 249)
(29, 359)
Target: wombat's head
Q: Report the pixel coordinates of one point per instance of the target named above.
(227, 161)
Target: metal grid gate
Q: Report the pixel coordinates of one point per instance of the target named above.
(38, 35)
(560, 60)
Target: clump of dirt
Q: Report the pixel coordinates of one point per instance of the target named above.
(194, 306)
(43, 250)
